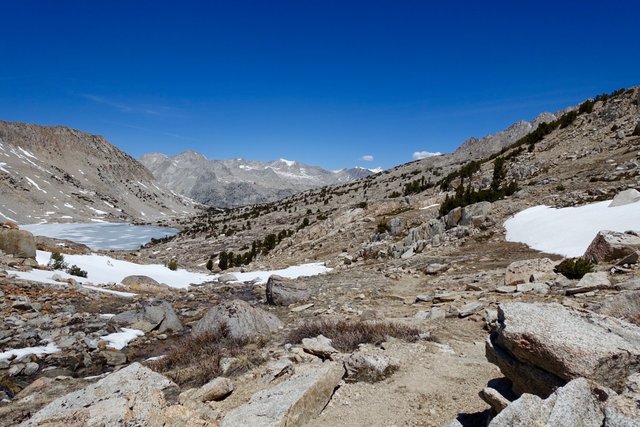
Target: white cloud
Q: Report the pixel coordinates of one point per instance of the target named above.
(424, 154)
(367, 158)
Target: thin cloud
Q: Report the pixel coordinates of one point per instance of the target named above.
(419, 155)
(150, 110)
(367, 158)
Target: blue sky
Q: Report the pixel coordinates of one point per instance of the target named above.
(323, 82)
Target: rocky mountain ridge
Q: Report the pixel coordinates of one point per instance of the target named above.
(238, 182)
(58, 174)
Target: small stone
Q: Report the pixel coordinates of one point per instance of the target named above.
(215, 390)
(319, 346)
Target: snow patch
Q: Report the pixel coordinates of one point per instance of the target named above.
(569, 231)
(38, 351)
(32, 182)
(119, 340)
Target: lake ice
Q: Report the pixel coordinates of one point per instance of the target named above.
(102, 235)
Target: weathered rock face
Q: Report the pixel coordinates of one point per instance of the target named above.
(291, 403)
(243, 320)
(529, 270)
(159, 316)
(283, 291)
(541, 346)
(625, 305)
(134, 395)
(612, 245)
(19, 243)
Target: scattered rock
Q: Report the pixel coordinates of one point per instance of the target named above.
(530, 270)
(283, 291)
(216, 390)
(319, 346)
(625, 197)
(470, 308)
(227, 278)
(139, 283)
(243, 320)
(370, 364)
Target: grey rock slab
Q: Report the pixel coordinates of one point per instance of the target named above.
(243, 320)
(569, 343)
(293, 402)
(598, 279)
(134, 395)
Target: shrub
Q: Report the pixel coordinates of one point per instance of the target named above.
(574, 268)
(195, 359)
(346, 336)
(74, 270)
(172, 264)
(382, 227)
(560, 187)
(636, 131)
(57, 261)
(209, 265)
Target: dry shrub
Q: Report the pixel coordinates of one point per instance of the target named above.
(346, 336)
(195, 359)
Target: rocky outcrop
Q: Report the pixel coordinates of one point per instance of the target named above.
(612, 245)
(18, 243)
(370, 364)
(293, 402)
(134, 395)
(243, 320)
(542, 346)
(283, 291)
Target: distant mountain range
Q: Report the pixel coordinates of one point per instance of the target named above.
(237, 182)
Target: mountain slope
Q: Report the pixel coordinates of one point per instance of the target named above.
(60, 174)
(237, 182)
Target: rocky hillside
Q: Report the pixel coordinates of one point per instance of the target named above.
(58, 174)
(588, 153)
(239, 182)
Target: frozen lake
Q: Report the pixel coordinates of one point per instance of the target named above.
(102, 235)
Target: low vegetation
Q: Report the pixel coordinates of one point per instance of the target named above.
(74, 270)
(346, 336)
(574, 268)
(195, 359)
(57, 262)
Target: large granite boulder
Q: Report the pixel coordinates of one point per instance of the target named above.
(283, 291)
(19, 243)
(625, 197)
(539, 347)
(243, 320)
(612, 245)
(140, 283)
(293, 402)
(134, 395)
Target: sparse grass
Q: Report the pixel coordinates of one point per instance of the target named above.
(346, 336)
(574, 268)
(195, 359)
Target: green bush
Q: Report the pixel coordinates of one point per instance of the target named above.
(74, 270)
(172, 264)
(574, 268)
(57, 261)
(382, 227)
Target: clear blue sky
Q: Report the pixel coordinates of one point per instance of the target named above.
(324, 82)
